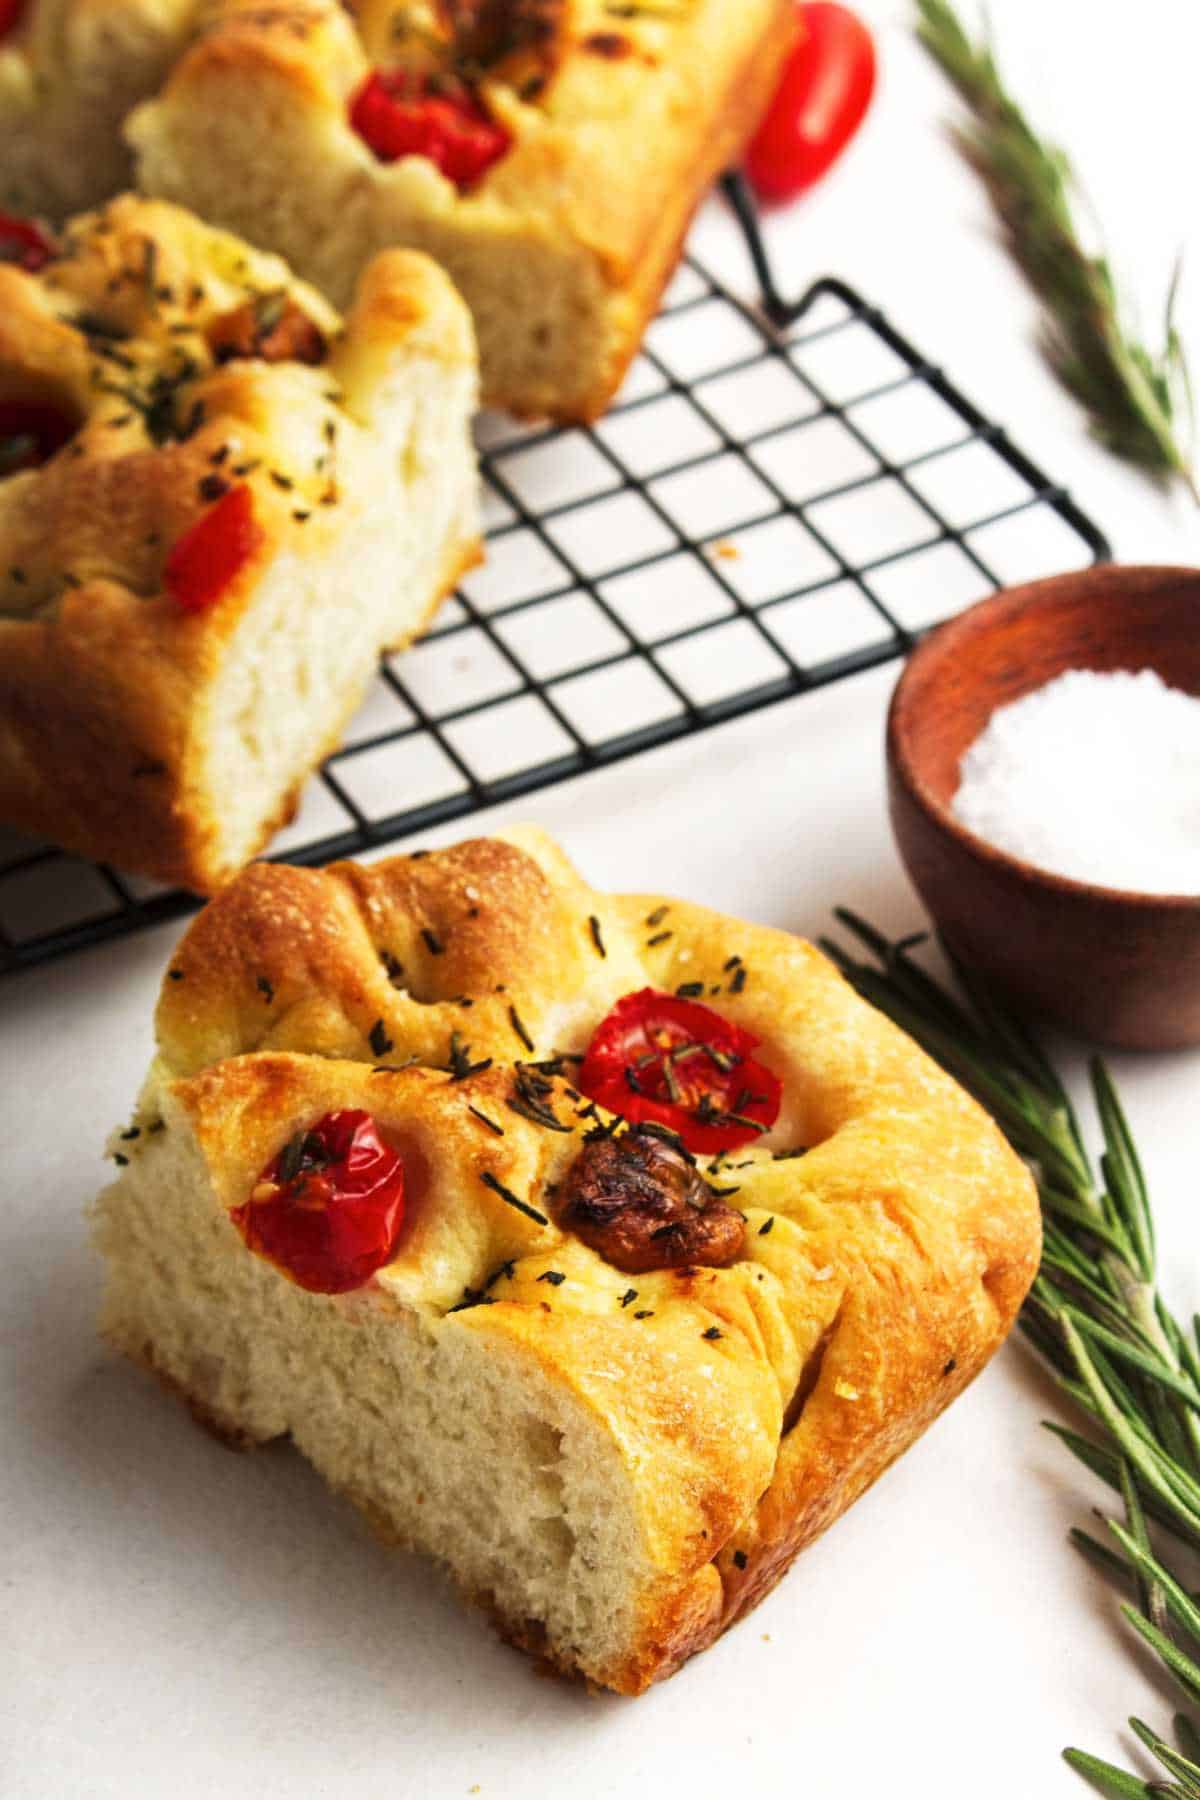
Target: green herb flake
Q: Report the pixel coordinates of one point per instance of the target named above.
(514, 1019)
(510, 1199)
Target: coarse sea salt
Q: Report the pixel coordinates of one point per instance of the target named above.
(1094, 776)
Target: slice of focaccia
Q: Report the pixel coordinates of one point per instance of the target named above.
(603, 1248)
(549, 153)
(218, 503)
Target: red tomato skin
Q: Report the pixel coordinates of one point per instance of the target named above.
(621, 1038)
(331, 1229)
(10, 15)
(820, 103)
(209, 555)
(396, 118)
(22, 241)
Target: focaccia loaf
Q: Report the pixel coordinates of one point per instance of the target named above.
(616, 121)
(615, 1432)
(225, 503)
(70, 72)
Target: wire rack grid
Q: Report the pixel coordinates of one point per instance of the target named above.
(777, 500)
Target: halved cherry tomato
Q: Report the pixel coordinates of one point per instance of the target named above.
(328, 1210)
(208, 556)
(22, 241)
(820, 103)
(30, 432)
(662, 1058)
(10, 15)
(397, 115)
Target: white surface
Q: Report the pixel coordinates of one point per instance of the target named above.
(181, 1622)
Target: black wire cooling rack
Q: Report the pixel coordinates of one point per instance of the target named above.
(779, 499)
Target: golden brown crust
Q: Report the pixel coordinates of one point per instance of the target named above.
(612, 151)
(879, 1270)
(106, 684)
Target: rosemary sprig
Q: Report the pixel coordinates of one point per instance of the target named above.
(1095, 1312)
(1131, 394)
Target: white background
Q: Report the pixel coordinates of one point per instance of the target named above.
(179, 1621)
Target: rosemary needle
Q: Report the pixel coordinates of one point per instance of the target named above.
(1131, 394)
(1095, 1312)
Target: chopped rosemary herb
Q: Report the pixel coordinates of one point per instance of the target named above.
(660, 937)
(629, 1296)
(765, 1230)
(484, 1120)
(531, 1099)
(688, 990)
(379, 1040)
(514, 1019)
(460, 1065)
(554, 1276)
(739, 979)
(265, 989)
(597, 939)
(657, 916)
(433, 942)
(789, 1155)
(740, 1558)
(712, 1334)
(472, 1297)
(644, 1314)
(511, 1199)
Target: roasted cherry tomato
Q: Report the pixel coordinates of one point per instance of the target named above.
(658, 1057)
(820, 103)
(30, 432)
(21, 240)
(208, 556)
(398, 116)
(271, 328)
(328, 1210)
(10, 15)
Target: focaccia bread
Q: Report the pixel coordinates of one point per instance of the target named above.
(70, 72)
(612, 1384)
(548, 153)
(217, 504)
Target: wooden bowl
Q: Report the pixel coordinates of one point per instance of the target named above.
(1116, 968)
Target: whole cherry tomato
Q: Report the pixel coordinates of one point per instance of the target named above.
(204, 561)
(670, 1060)
(327, 1210)
(398, 116)
(821, 102)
